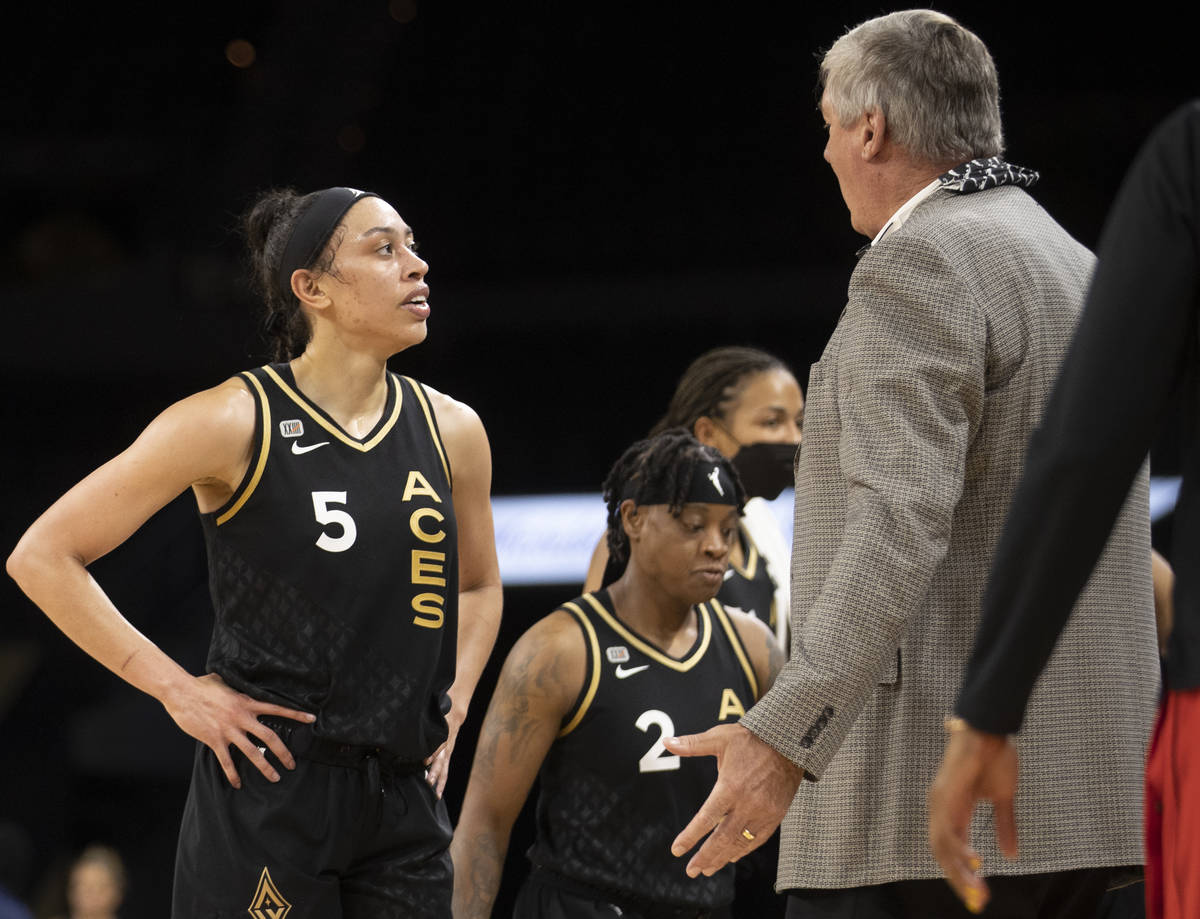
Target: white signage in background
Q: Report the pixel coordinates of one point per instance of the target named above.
(1164, 493)
(549, 539)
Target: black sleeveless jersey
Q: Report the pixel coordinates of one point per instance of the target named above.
(334, 569)
(612, 799)
(748, 587)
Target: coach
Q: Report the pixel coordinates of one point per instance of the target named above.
(959, 313)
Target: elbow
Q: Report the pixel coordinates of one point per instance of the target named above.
(29, 560)
(19, 563)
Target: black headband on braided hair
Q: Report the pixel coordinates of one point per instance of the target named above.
(711, 483)
(312, 230)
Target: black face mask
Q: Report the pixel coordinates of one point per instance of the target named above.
(766, 469)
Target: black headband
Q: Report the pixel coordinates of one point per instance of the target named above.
(313, 228)
(711, 484)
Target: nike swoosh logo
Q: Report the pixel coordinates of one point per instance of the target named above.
(623, 672)
(297, 449)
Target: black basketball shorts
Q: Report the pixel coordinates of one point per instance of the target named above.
(344, 840)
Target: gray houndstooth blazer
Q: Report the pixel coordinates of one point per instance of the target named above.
(917, 419)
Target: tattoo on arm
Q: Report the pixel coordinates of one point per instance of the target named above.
(476, 883)
(521, 723)
(510, 719)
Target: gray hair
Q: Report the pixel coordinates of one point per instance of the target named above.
(934, 81)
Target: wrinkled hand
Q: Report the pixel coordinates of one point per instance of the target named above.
(438, 765)
(220, 717)
(755, 786)
(976, 766)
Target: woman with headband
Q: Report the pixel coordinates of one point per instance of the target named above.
(353, 575)
(589, 693)
(747, 404)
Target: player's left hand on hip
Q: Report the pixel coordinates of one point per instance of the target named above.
(976, 766)
(437, 767)
(755, 786)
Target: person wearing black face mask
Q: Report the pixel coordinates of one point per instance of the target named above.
(747, 404)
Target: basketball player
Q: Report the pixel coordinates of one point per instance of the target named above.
(348, 526)
(589, 693)
(747, 404)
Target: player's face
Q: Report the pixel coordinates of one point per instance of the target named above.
(378, 281)
(770, 410)
(688, 553)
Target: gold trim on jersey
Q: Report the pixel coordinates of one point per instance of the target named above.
(748, 569)
(333, 429)
(736, 640)
(593, 662)
(648, 649)
(433, 431)
(263, 450)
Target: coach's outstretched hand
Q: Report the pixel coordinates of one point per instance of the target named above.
(755, 786)
(976, 766)
(220, 717)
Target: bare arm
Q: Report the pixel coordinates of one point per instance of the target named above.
(1164, 598)
(540, 681)
(599, 561)
(766, 657)
(204, 442)
(480, 597)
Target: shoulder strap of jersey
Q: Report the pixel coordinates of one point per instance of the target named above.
(431, 420)
(735, 640)
(591, 680)
(262, 431)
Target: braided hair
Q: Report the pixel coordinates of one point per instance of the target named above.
(660, 464)
(712, 383)
(267, 226)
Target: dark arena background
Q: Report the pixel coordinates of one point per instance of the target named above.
(602, 192)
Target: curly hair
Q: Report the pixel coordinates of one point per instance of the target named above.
(663, 463)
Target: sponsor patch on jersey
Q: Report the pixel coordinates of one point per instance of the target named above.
(617, 654)
(292, 428)
(268, 902)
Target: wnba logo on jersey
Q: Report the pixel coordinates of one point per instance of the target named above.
(268, 903)
(292, 428)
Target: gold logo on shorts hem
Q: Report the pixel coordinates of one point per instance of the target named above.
(268, 902)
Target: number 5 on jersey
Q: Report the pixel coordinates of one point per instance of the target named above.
(339, 518)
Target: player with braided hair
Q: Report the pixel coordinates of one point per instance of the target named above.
(746, 404)
(663, 465)
(588, 694)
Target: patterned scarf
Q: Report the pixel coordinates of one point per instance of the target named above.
(987, 173)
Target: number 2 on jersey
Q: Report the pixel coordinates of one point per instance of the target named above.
(657, 759)
(328, 515)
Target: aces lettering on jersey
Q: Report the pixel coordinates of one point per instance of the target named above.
(427, 565)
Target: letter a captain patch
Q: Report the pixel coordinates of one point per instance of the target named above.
(268, 902)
